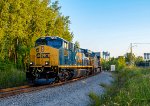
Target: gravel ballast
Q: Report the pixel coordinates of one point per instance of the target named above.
(72, 94)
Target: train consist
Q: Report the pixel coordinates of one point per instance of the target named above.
(54, 59)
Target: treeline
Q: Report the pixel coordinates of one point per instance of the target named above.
(123, 61)
(119, 63)
(23, 21)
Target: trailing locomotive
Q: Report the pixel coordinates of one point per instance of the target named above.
(54, 59)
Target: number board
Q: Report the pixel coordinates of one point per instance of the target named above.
(45, 55)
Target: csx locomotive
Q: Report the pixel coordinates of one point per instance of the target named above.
(54, 59)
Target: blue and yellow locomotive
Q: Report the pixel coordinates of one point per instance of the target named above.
(54, 59)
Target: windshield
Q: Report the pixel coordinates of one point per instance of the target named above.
(41, 42)
(55, 43)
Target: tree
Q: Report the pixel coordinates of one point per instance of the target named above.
(121, 63)
(23, 21)
(130, 58)
(77, 44)
(139, 61)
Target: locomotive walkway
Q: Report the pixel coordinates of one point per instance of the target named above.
(71, 94)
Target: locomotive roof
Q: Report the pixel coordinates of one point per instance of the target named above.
(53, 37)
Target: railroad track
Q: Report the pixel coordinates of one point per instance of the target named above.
(30, 88)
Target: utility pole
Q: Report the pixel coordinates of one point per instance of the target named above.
(131, 53)
(131, 47)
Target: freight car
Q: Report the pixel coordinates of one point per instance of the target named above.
(54, 59)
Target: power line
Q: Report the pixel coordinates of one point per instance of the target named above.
(131, 45)
(131, 48)
(141, 43)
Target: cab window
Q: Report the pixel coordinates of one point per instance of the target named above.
(41, 42)
(55, 43)
(65, 45)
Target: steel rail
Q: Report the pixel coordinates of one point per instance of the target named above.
(4, 93)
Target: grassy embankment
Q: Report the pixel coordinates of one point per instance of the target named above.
(131, 88)
(10, 76)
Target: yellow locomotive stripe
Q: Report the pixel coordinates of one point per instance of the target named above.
(37, 66)
(63, 66)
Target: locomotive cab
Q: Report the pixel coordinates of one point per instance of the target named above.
(45, 53)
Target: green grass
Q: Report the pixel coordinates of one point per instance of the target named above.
(11, 77)
(95, 99)
(131, 88)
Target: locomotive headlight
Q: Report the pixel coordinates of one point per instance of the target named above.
(31, 63)
(46, 63)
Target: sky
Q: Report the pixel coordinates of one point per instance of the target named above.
(109, 25)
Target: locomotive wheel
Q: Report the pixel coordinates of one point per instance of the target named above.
(88, 72)
(57, 79)
(71, 75)
(66, 75)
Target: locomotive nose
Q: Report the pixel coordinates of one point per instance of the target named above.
(42, 56)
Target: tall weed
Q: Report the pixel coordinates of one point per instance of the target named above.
(10, 76)
(131, 88)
